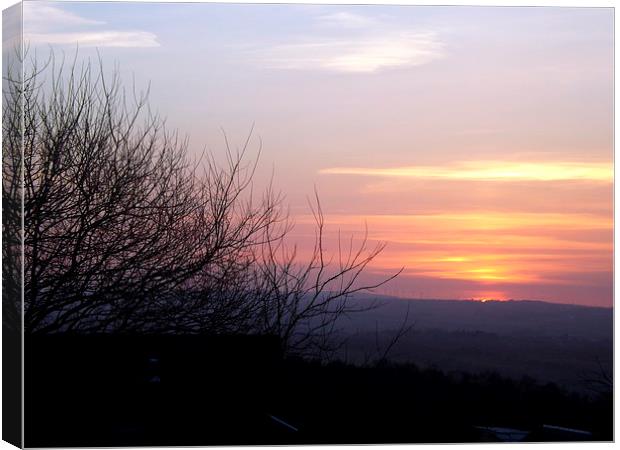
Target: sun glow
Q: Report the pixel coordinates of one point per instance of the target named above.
(487, 248)
(490, 296)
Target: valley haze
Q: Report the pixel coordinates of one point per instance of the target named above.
(550, 342)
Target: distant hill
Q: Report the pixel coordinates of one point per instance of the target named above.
(511, 317)
(565, 344)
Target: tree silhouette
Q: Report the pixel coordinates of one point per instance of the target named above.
(12, 197)
(124, 233)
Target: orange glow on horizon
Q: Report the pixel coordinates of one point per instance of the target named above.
(487, 296)
(486, 248)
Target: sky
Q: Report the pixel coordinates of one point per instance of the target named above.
(477, 142)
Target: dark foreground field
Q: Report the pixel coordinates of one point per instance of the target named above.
(198, 390)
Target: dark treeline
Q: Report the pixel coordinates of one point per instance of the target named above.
(192, 390)
(402, 403)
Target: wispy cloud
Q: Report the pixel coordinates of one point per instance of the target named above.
(369, 45)
(45, 24)
(490, 170)
(347, 20)
(366, 54)
(138, 39)
(40, 16)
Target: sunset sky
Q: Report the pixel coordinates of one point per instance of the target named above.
(476, 141)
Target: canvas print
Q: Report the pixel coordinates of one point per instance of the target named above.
(250, 224)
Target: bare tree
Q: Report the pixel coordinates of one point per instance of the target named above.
(125, 233)
(302, 301)
(12, 195)
(599, 381)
